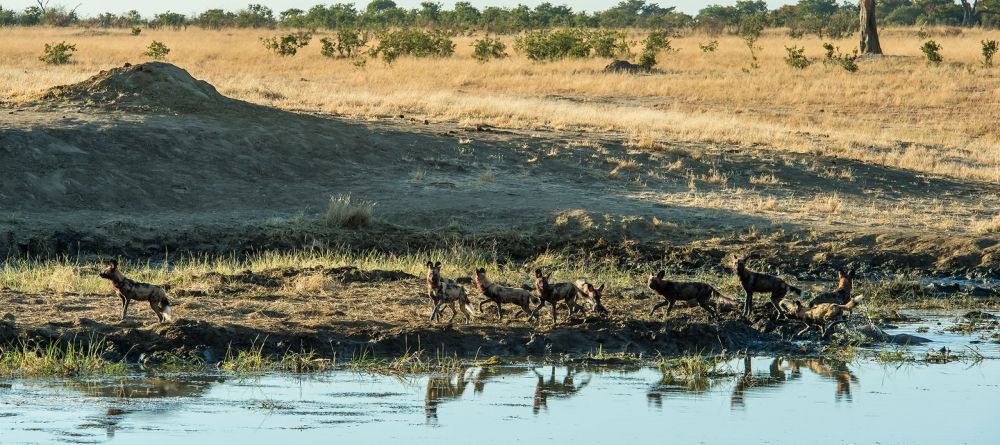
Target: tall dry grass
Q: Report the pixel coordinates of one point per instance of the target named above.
(896, 111)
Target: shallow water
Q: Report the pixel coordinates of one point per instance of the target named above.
(753, 400)
(783, 401)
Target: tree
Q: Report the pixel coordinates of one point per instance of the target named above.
(869, 29)
(970, 17)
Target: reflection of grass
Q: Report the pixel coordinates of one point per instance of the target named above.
(57, 360)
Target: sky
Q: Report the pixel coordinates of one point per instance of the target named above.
(146, 8)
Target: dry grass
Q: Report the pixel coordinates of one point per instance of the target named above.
(896, 111)
(344, 211)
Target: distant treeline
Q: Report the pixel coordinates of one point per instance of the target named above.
(820, 17)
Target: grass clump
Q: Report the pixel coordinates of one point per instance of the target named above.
(57, 360)
(409, 363)
(346, 212)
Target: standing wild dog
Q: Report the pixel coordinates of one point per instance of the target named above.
(840, 295)
(587, 293)
(754, 282)
(553, 294)
(446, 292)
(128, 290)
(678, 290)
(823, 315)
(502, 294)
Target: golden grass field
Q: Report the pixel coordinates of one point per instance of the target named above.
(896, 111)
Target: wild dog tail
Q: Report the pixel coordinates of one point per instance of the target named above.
(795, 290)
(166, 287)
(854, 302)
(722, 300)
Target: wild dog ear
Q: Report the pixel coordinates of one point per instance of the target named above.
(547, 276)
(600, 289)
(850, 273)
(661, 274)
(113, 264)
(429, 264)
(437, 264)
(538, 273)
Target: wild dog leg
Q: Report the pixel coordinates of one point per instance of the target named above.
(657, 306)
(125, 302)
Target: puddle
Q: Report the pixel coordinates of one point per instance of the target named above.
(938, 326)
(773, 400)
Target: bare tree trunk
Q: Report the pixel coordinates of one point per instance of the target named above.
(969, 16)
(869, 30)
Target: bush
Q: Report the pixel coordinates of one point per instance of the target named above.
(932, 50)
(412, 42)
(989, 49)
(343, 211)
(57, 54)
(654, 43)
(796, 57)
(157, 50)
(846, 61)
(607, 43)
(136, 31)
(288, 44)
(488, 48)
(553, 45)
(348, 42)
(709, 47)
(750, 28)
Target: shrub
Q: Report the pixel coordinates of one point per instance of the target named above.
(58, 53)
(346, 43)
(989, 50)
(796, 59)
(344, 211)
(932, 50)
(607, 43)
(750, 28)
(654, 43)
(553, 45)
(709, 47)
(136, 31)
(846, 61)
(412, 42)
(288, 44)
(157, 50)
(488, 48)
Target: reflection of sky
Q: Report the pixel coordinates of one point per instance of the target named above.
(195, 6)
(951, 403)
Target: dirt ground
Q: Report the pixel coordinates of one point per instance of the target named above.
(368, 312)
(146, 160)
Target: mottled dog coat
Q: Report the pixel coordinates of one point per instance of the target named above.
(589, 294)
(446, 293)
(840, 295)
(823, 315)
(128, 290)
(679, 290)
(503, 295)
(753, 282)
(553, 294)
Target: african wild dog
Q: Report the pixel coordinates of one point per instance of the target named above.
(446, 292)
(503, 295)
(823, 315)
(678, 290)
(553, 294)
(840, 295)
(128, 290)
(587, 293)
(753, 282)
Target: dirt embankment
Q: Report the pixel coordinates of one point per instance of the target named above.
(143, 160)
